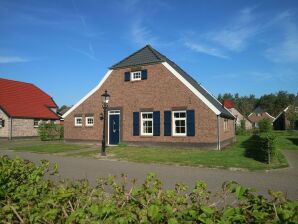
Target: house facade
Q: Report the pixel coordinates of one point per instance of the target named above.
(281, 122)
(153, 102)
(238, 116)
(22, 107)
(258, 115)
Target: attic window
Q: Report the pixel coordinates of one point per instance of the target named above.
(136, 76)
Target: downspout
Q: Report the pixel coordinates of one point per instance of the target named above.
(218, 132)
(10, 134)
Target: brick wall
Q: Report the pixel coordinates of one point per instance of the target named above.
(161, 91)
(23, 128)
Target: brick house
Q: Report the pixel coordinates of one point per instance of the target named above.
(281, 122)
(22, 107)
(153, 102)
(238, 116)
(258, 115)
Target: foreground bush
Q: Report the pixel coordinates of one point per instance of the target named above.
(27, 197)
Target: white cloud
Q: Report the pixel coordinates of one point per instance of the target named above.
(205, 49)
(286, 50)
(12, 59)
(235, 35)
(141, 35)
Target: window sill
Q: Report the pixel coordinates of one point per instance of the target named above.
(146, 136)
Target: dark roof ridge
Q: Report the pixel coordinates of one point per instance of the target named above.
(129, 56)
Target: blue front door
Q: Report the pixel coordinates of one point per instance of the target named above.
(114, 127)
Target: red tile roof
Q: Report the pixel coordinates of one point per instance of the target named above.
(228, 104)
(20, 99)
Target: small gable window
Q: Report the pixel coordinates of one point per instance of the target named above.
(136, 76)
(89, 121)
(78, 121)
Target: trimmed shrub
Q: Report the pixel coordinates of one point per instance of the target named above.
(26, 196)
(50, 132)
(265, 126)
(267, 143)
(241, 130)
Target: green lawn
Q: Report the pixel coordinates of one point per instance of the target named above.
(287, 140)
(42, 147)
(231, 157)
(234, 156)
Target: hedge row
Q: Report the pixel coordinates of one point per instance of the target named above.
(27, 197)
(49, 132)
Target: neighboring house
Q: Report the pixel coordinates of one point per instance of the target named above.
(239, 117)
(258, 115)
(22, 107)
(61, 113)
(281, 121)
(153, 102)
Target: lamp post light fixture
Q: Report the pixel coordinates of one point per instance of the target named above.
(105, 97)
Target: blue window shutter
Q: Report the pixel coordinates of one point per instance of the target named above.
(136, 129)
(156, 123)
(144, 74)
(167, 123)
(190, 116)
(3, 123)
(126, 76)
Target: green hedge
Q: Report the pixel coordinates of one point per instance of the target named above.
(49, 132)
(27, 197)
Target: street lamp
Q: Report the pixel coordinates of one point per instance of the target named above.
(105, 97)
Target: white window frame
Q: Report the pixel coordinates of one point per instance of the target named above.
(138, 73)
(1, 120)
(226, 126)
(180, 118)
(38, 121)
(86, 120)
(76, 122)
(146, 119)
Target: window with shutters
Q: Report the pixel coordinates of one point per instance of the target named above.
(1, 122)
(147, 123)
(136, 76)
(179, 123)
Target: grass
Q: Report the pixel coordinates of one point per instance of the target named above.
(233, 156)
(49, 148)
(287, 140)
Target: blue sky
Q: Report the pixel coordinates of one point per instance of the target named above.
(65, 47)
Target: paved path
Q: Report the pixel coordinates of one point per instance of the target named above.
(285, 180)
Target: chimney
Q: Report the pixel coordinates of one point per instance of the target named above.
(228, 104)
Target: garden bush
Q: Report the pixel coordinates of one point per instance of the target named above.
(28, 196)
(265, 126)
(49, 132)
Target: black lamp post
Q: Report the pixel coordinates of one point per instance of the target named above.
(105, 97)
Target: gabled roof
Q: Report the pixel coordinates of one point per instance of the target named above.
(25, 100)
(285, 110)
(148, 55)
